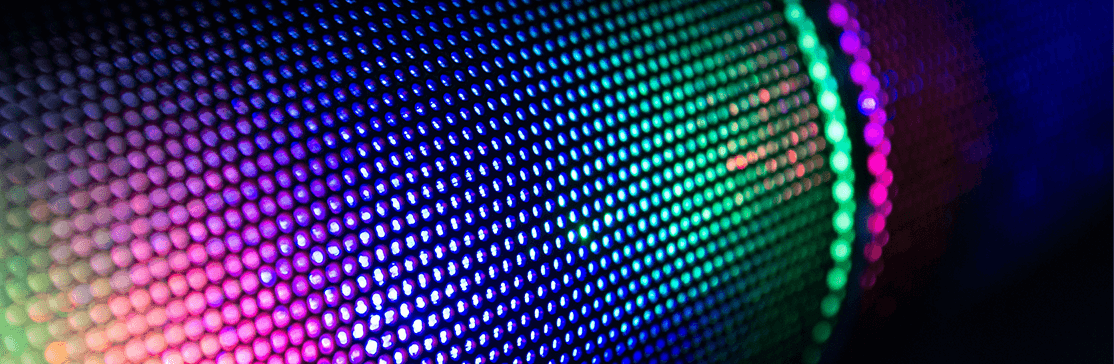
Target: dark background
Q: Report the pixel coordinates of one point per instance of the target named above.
(1005, 256)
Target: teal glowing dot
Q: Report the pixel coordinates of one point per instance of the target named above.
(808, 41)
(837, 279)
(840, 161)
(829, 306)
(822, 331)
(836, 131)
(829, 101)
(843, 191)
(820, 71)
(841, 250)
(842, 221)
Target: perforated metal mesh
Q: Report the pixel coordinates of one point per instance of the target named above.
(242, 182)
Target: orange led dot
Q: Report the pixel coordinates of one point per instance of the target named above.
(56, 353)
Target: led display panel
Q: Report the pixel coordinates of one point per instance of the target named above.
(419, 181)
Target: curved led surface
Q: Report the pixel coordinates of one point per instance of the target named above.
(349, 182)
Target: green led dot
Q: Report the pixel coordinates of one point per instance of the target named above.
(842, 221)
(836, 131)
(819, 71)
(821, 331)
(829, 101)
(841, 250)
(808, 42)
(837, 278)
(843, 191)
(829, 306)
(15, 340)
(840, 161)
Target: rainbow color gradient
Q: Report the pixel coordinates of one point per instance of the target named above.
(425, 182)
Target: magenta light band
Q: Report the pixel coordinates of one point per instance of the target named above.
(871, 103)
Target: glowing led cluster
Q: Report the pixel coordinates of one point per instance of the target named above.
(348, 182)
(871, 103)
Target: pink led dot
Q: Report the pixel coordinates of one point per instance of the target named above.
(883, 147)
(849, 41)
(140, 275)
(876, 223)
(261, 348)
(249, 283)
(158, 268)
(227, 338)
(195, 303)
(212, 320)
(141, 250)
(309, 351)
(214, 272)
(198, 232)
(868, 104)
(196, 279)
(230, 313)
(886, 178)
(175, 334)
(119, 306)
(872, 252)
(156, 316)
(882, 238)
(172, 356)
(135, 351)
(115, 355)
(140, 226)
(248, 307)
(868, 279)
(140, 299)
(137, 325)
(879, 117)
(194, 328)
(231, 289)
(209, 345)
(876, 163)
(244, 355)
(838, 14)
(872, 84)
(292, 356)
(178, 261)
(279, 340)
(872, 133)
(860, 72)
(176, 310)
(197, 254)
(878, 194)
(191, 352)
(155, 343)
(245, 331)
(233, 265)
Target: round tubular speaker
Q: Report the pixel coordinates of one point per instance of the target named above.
(412, 181)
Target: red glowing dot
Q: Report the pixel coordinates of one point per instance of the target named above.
(764, 95)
